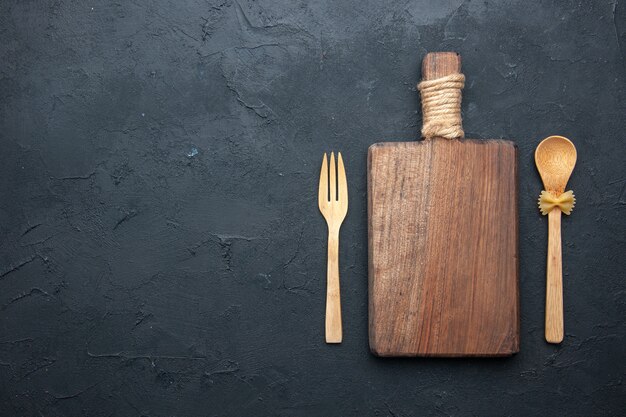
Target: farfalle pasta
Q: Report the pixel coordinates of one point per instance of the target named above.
(565, 202)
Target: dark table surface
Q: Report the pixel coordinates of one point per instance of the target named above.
(162, 253)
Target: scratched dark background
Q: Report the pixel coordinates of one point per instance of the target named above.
(161, 250)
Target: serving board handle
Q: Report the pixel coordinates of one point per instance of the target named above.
(441, 100)
(440, 64)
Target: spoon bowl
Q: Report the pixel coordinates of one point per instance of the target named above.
(555, 158)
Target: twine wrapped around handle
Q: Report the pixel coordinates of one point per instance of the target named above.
(441, 106)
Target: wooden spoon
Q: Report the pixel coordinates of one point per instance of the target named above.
(555, 158)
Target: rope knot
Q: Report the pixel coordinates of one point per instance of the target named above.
(441, 107)
(565, 202)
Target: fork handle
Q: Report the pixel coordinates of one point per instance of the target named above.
(333, 298)
(554, 280)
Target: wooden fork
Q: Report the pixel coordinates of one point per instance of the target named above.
(334, 208)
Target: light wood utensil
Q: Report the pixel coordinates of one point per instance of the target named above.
(555, 158)
(333, 203)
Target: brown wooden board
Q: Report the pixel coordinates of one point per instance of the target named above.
(443, 247)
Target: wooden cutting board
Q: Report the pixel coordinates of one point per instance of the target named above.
(443, 243)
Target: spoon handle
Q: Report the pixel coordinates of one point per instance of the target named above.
(554, 280)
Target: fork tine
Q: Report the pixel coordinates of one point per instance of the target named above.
(333, 178)
(342, 184)
(322, 196)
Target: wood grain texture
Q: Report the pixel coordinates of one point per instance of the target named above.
(440, 64)
(554, 280)
(443, 246)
